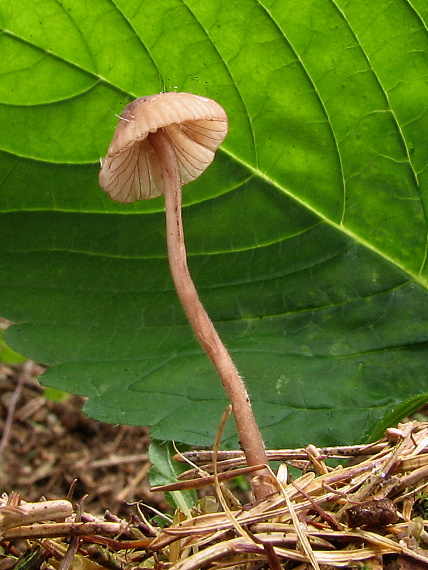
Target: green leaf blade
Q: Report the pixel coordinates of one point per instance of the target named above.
(306, 237)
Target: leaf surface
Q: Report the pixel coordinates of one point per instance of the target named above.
(307, 237)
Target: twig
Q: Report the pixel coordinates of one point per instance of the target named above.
(205, 481)
(12, 407)
(26, 513)
(56, 530)
(307, 548)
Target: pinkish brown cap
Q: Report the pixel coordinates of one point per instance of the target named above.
(196, 127)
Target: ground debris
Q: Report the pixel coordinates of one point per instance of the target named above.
(304, 525)
(47, 444)
(369, 511)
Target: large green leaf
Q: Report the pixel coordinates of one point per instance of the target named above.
(307, 238)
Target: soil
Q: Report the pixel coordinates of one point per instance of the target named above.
(46, 445)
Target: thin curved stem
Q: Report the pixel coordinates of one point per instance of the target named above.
(249, 433)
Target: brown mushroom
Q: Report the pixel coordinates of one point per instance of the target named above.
(162, 142)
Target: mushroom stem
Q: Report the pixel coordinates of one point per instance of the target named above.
(249, 433)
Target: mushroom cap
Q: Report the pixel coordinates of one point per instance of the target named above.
(196, 126)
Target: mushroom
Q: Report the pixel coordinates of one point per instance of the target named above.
(162, 142)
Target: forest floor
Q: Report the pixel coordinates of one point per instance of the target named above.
(45, 445)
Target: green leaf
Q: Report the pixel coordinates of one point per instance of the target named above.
(165, 471)
(7, 355)
(307, 237)
(394, 416)
(55, 395)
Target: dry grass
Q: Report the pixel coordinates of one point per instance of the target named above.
(361, 515)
